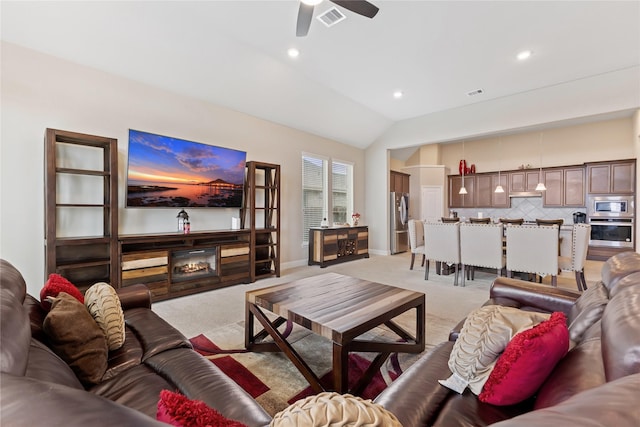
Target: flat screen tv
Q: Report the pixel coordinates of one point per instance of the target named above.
(170, 172)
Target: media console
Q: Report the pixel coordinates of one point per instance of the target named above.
(174, 264)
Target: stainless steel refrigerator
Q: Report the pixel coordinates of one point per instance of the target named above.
(399, 217)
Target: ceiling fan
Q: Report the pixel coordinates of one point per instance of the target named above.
(305, 13)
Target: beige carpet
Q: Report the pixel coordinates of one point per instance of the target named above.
(219, 315)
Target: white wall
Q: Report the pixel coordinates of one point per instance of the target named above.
(40, 91)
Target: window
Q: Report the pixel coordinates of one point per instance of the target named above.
(316, 187)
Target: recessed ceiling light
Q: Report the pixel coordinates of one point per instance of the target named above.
(524, 55)
(293, 52)
(398, 94)
(312, 2)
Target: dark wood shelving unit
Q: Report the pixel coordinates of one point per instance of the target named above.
(260, 213)
(83, 260)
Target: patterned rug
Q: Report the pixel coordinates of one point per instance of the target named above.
(274, 381)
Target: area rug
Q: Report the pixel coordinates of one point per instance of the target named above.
(273, 380)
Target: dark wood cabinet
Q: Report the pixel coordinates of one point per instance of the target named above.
(574, 188)
(524, 180)
(337, 244)
(457, 200)
(81, 187)
(553, 180)
(175, 264)
(399, 182)
(616, 177)
(486, 197)
(261, 215)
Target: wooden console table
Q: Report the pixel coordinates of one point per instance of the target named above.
(337, 244)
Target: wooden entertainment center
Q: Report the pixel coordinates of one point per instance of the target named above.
(170, 264)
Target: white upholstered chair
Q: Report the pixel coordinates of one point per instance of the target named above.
(579, 247)
(533, 249)
(443, 245)
(416, 240)
(481, 246)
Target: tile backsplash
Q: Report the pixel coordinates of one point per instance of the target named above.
(529, 208)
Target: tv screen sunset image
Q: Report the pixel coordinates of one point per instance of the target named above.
(171, 172)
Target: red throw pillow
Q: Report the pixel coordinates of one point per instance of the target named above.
(178, 410)
(56, 284)
(526, 362)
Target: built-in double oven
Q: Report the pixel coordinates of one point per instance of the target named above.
(612, 220)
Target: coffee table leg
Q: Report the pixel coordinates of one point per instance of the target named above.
(340, 368)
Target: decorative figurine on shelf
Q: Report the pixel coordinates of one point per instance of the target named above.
(355, 217)
(182, 217)
(462, 167)
(187, 226)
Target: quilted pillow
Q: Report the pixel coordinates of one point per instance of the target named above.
(483, 337)
(178, 410)
(54, 285)
(76, 338)
(526, 362)
(335, 410)
(587, 310)
(103, 303)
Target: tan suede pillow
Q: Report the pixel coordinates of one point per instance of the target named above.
(76, 338)
(103, 303)
(484, 336)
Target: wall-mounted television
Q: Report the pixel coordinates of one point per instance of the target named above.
(170, 172)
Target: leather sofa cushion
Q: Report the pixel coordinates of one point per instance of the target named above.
(14, 333)
(138, 388)
(126, 357)
(45, 365)
(587, 310)
(620, 332)
(153, 332)
(612, 404)
(580, 370)
(619, 266)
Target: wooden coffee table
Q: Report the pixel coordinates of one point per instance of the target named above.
(340, 308)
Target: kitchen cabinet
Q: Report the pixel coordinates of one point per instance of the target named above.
(457, 200)
(611, 177)
(399, 182)
(574, 189)
(485, 186)
(523, 180)
(554, 181)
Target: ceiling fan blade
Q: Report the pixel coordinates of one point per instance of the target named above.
(305, 14)
(361, 7)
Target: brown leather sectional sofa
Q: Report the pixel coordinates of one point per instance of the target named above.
(597, 383)
(38, 388)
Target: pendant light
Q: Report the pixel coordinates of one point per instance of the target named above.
(463, 190)
(540, 186)
(499, 188)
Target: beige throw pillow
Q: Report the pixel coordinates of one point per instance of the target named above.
(103, 303)
(484, 336)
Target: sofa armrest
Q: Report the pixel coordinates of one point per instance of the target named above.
(529, 295)
(135, 296)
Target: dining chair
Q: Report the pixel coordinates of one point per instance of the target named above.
(481, 246)
(579, 246)
(533, 249)
(449, 220)
(557, 222)
(443, 240)
(474, 220)
(514, 221)
(416, 240)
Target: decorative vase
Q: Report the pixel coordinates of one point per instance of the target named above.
(355, 222)
(462, 166)
(473, 168)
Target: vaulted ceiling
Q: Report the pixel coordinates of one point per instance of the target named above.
(234, 53)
